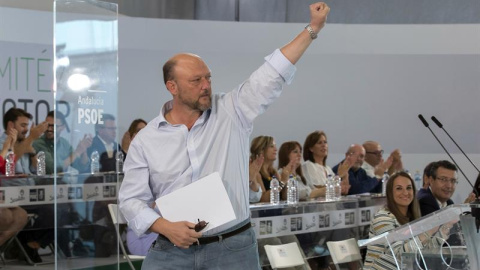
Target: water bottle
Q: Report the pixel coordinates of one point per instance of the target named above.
(41, 169)
(119, 162)
(337, 187)
(274, 191)
(297, 178)
(95, 162)
(10, 163)
(384, 183)
(291, 190)
(330, 192)
(418, 180)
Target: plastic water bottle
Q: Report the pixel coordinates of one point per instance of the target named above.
(418, 180)
(291, 190)
(95, 162)
(297, 198)
(337, 187)
(274, 191)
(119, 162)
(384, 183)
(10, 163)
(330, 192)
(41, 169)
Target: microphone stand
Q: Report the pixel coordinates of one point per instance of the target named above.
(475, 205)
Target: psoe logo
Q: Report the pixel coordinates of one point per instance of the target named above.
(21, 197)
(94, 194)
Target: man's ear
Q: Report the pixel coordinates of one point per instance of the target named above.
(172, 87)
(10, 124)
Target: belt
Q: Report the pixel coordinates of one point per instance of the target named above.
(218, 238)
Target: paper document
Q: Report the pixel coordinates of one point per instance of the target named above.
(205, 199)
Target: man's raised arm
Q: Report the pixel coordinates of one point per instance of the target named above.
(318, 17)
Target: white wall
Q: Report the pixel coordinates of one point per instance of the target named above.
(356, 82)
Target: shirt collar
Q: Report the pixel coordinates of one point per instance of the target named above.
(105, 143)
(440, 204)
(168, 107)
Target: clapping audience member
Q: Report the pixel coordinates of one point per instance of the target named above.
(104, 143)
(19, 119)
(374, 164)
(266, 145)
(134, 128)
(359, 181)
(289, 164)
(315, 168)
(65, 154)
(256, 191)
(400, 209)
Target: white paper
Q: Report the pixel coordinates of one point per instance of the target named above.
(205, 199)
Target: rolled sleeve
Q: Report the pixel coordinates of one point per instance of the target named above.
(282, 65)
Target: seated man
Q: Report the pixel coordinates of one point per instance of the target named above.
(360, 182)
(66, 156)
(374, 159)
(442, 183)
(19, 120)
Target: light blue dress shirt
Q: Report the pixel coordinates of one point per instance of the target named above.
(164, 157)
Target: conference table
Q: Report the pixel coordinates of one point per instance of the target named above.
(309, 223)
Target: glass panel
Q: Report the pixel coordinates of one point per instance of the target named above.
(86, 94)
(311, 224)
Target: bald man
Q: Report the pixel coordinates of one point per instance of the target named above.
(374, 163)
(198, 133)
(360, 182)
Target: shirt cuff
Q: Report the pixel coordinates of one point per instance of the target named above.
(282, 65)
(143, 221)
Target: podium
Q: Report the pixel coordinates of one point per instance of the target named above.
(455, 246)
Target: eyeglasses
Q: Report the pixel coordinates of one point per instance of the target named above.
(446, 180)
(377, 153)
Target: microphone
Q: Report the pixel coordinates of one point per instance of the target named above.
(425, 123)
(475, 208)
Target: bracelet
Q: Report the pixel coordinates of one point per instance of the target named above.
(312, 33)
(281, 184)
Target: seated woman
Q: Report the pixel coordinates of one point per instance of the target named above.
(133, 129)
(401, 208)
(265, 145)
(289, 161)
(315, 168)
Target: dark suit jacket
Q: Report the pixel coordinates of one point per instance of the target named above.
(428, 203)
(106, 164)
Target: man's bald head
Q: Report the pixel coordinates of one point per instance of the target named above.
(169, 66)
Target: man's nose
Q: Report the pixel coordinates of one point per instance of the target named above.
(206, 83)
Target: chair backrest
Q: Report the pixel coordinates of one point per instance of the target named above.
(344, 251)
(117, 217)
(286, 255)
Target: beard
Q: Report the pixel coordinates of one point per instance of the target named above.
(197, 105)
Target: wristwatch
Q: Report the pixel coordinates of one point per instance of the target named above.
(312, 33)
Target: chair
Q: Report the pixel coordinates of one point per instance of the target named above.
(118, 219)
(344, 251)
(286, 255)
